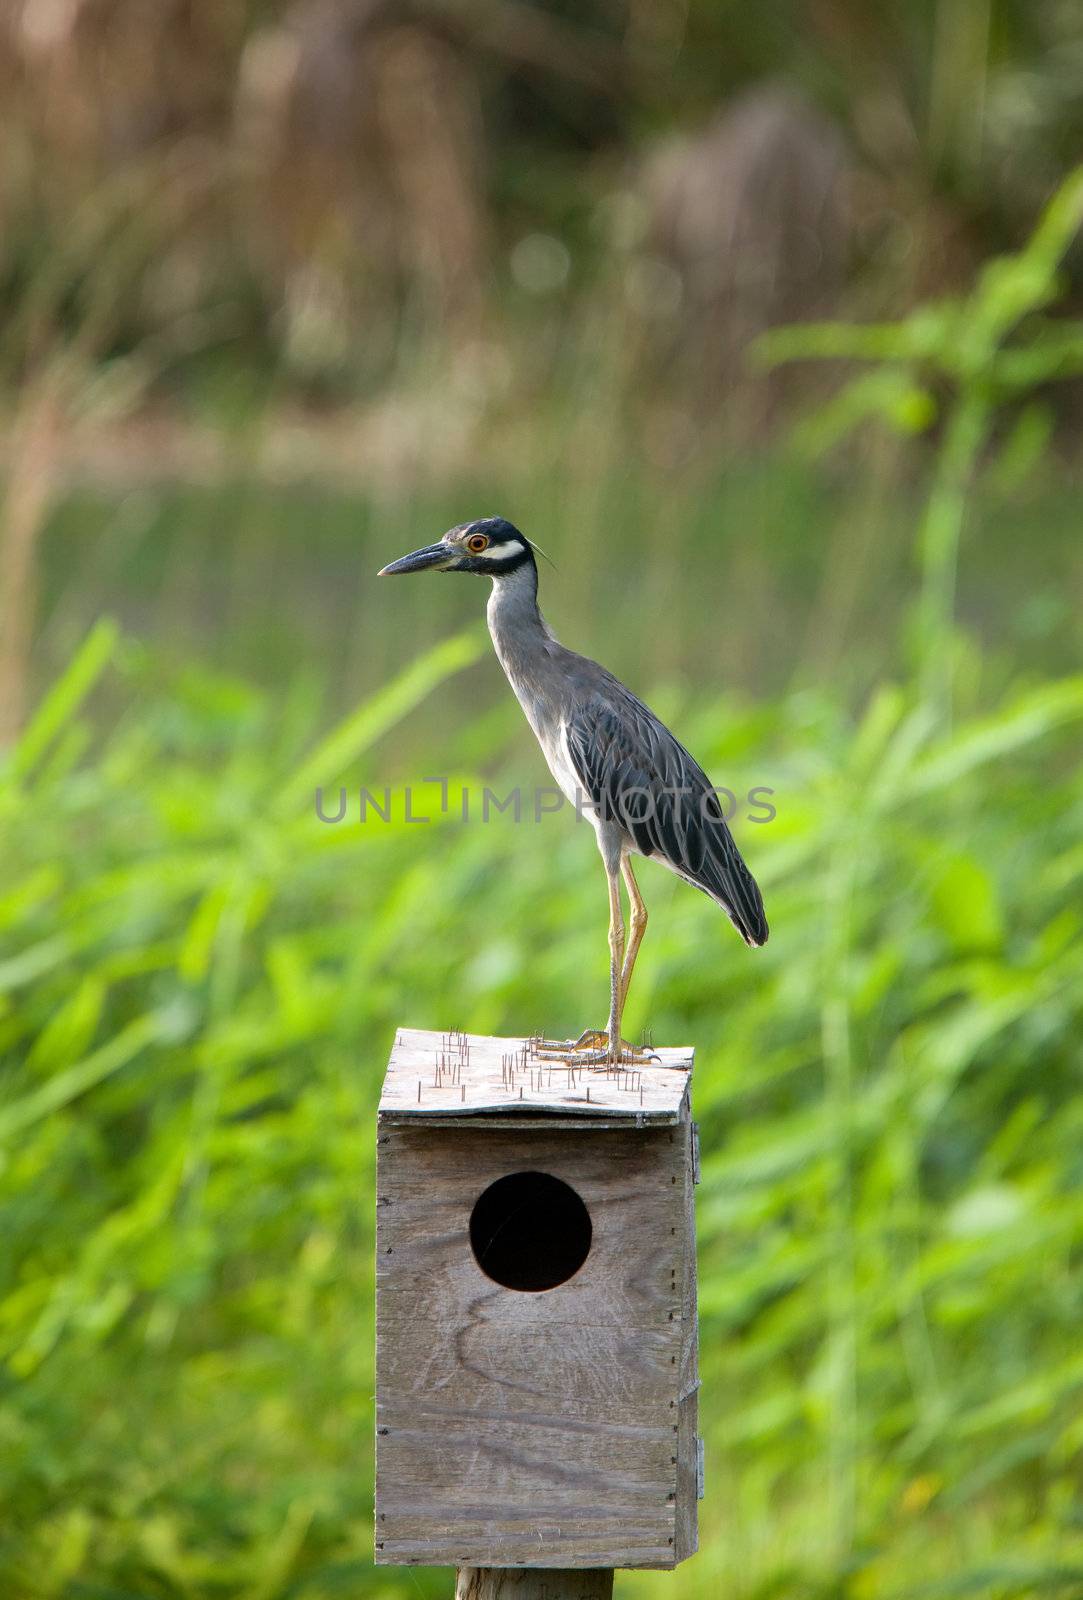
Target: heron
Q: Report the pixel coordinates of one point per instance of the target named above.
(611, 757)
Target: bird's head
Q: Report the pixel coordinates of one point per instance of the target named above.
(491, 547)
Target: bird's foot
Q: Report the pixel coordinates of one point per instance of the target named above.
(593, 1049)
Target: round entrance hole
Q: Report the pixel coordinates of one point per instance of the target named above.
(530, 1231)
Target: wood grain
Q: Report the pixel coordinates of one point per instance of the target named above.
(467, 1075)
(518, 1583)
(687, 1503)
(551, 1430)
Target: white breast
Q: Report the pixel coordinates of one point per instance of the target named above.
(560, 765)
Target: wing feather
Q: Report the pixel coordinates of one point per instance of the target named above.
(635, 773)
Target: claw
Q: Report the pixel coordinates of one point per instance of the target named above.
(592, 1049)
(568, 1056)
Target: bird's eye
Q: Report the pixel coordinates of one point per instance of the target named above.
(476, 543)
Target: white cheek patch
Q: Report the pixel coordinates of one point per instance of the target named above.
(499, 553)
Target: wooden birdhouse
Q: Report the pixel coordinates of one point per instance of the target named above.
(536, 1351)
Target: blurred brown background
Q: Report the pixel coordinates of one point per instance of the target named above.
(476, 256)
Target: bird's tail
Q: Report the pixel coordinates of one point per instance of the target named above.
(755, 930)
(730, 884)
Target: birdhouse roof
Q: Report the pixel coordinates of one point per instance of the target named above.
(443, 1077)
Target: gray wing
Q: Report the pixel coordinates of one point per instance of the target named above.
(636, 774)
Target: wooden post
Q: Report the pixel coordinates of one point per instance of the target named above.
(534, 1583)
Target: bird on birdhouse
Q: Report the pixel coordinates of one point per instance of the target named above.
(610, 756)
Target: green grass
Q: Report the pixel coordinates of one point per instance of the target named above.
(807, 568)
(200, 984)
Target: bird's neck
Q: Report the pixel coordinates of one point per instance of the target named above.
(518, 629)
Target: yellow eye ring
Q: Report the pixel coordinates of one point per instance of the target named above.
(476, 543)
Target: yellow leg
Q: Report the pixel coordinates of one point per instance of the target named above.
(594, 1047)
(616, 958)
(638, 928)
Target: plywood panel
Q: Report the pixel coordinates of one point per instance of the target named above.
(633, 1184)
(519, 1429)
(687, 1523)
(452, 1075)
(687, 1506)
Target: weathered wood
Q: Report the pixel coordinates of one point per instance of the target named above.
(686, 1538)
(550, 1430)
(631, 1182)
(688, 1445)
(524, 1583)
(460, 1075)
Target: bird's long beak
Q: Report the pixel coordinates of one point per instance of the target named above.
(433, 555)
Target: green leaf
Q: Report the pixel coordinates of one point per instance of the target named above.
(967, 906)
(70, 1030)
(60, 1090)
(66, 696)
(357, 732)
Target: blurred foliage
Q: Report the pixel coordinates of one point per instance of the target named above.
(200, 983)
(398, 260)
(527, 284)
(988, 350)
(331, 190)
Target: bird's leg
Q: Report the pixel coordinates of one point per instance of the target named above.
(616, 959)
(622, 1051)
(593, 1046)
(639, 927)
